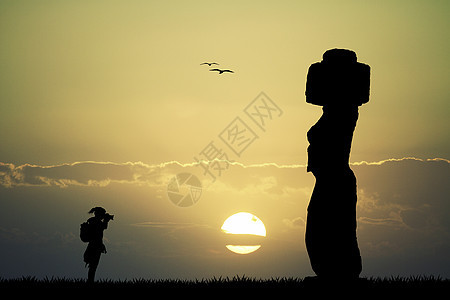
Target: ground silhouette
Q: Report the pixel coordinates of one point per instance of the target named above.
(340, 85)
(238, 286)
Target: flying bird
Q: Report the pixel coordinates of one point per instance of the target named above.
(209, 64)
(221, 71)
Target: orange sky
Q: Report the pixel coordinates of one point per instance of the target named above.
(122, 82)
(104, 102)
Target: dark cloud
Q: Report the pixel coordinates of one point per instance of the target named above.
(19, 236)
(403, 208)
(386, 222)
(411, 191)
(416, 219)
(294, 223)
(78, 173)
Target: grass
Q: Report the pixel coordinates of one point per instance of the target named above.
(373, 283)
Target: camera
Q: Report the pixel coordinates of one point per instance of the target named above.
(109, 217)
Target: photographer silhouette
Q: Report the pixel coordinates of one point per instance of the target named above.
(92, 232)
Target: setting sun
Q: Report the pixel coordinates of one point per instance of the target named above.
(244, 223)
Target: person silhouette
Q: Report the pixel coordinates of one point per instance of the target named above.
(95, 248)
(340, 85)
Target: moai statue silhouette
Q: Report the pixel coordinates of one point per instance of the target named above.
(340, 85)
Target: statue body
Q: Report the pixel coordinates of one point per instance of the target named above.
(340, 85)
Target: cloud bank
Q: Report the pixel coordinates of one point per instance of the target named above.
(91, 173)
(403, 224)
(79, 173)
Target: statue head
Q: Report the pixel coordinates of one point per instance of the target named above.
(338, 80)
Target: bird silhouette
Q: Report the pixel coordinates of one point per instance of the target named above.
(209, 64)
(221, 71)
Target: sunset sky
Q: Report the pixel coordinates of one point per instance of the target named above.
(102, 103)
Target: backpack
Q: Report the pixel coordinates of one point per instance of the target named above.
(86, 232)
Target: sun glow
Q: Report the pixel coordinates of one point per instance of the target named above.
(244, 223)
(242, 249)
